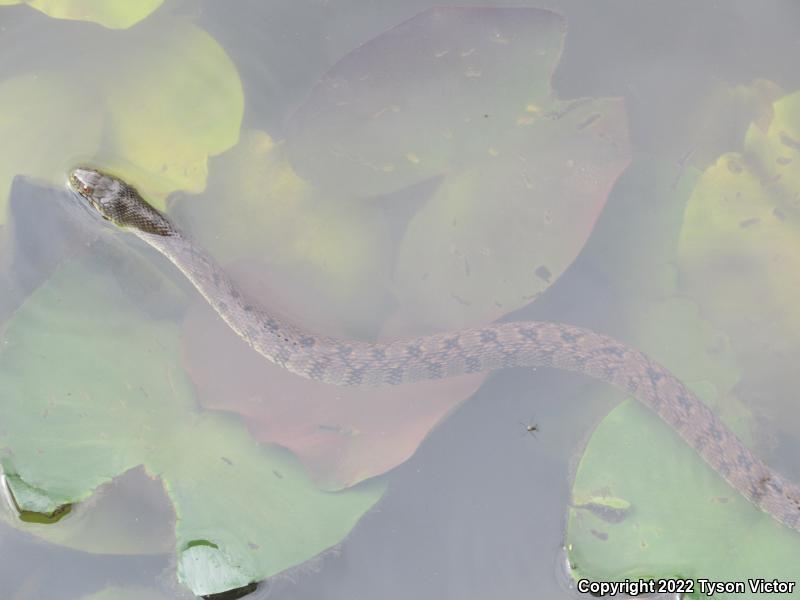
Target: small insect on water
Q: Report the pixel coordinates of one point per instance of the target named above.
(531, 428)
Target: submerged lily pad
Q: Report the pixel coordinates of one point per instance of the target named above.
(37, 113)
(257, 210)
(461, 96)
(165, 122)
(464, 95)
(740, 253)
(114, 14)
(498, 233)
(162, 99)
(343, 435)
(426, 96)
(775, 146)
(92, 388)
(314, 250)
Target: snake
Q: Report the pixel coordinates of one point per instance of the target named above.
(448, 354)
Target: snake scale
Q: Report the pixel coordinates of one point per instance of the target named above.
(496, 346)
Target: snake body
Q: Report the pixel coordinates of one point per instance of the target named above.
(496, 346)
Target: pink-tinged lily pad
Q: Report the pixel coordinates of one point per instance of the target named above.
(432, 94)
(342, 435)
(464, 95)
(461, 96)
(322, 267)
(497, 234)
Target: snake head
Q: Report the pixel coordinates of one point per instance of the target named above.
(99, 189)
(118, 202)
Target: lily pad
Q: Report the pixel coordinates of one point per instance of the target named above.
(643, 503)
(464, 95)
(114, 14)
(498, 233)
(37, 116)
(740, 252)
(129, 515)
(160, 107)
(258, 212)
(343, 435)
(681, 519)
(459, 95)
(429, 94)
(166, 121)
(775, 145)
(308, 249)
(81, 408)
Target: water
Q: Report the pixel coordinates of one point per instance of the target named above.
(479, 509)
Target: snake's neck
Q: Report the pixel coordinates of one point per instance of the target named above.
(260, 328)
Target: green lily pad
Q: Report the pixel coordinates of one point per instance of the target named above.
(162, 99)
(129, 515)
(644, 504)
(681, 519)
(114, 14)
(92, 388)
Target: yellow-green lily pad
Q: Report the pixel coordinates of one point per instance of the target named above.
(114, 14)
(775, 147)
(682, 521)
(740, 252)
(37, 123)
(643, 502)
(162, 99)
(640, 492)
(257, 209)
(166, 121)
(93, 388)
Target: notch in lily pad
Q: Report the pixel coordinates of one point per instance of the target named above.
(31, 504)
